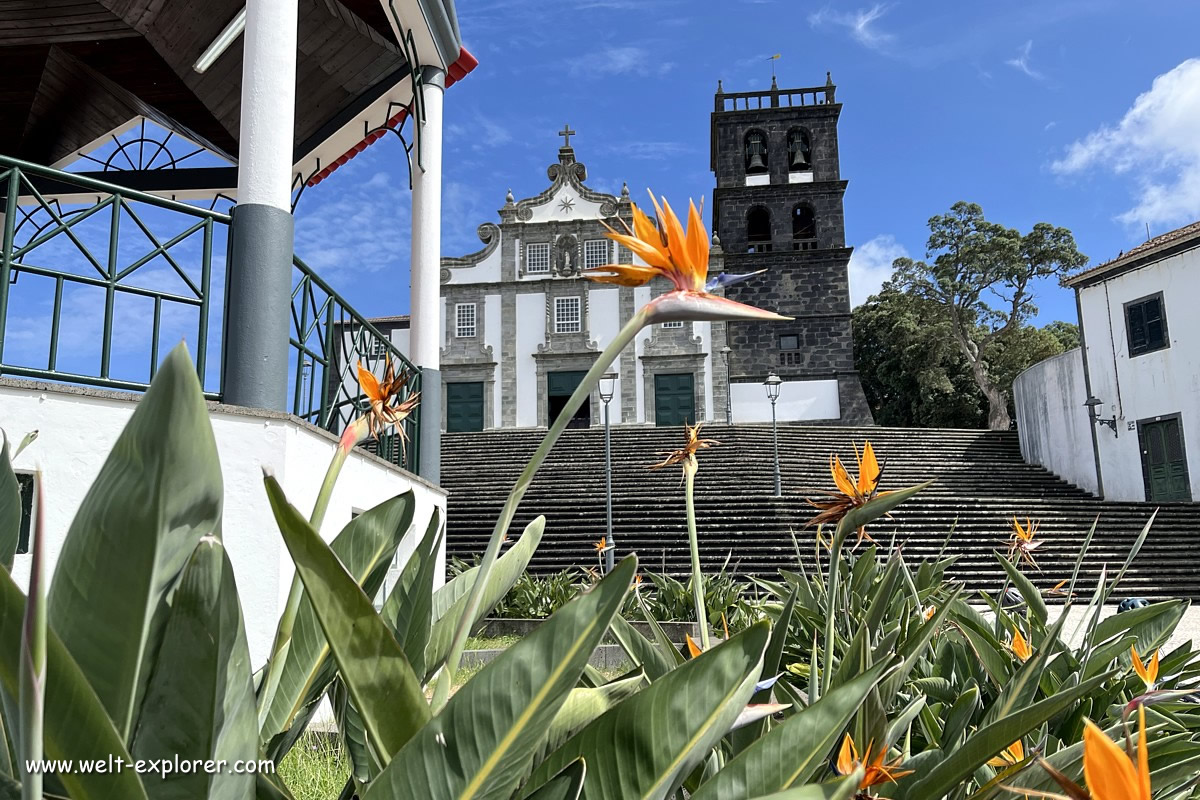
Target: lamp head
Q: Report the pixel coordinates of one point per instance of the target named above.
(772, 384)
(608, 385)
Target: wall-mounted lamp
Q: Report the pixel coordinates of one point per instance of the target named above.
(1093, 406)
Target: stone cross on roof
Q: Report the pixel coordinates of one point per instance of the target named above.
(566, 133)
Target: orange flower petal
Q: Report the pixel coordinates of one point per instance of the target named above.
(369, 384)
(868, 470)
(847, 759)
(841, 477)
(1109, 773)
(621, 274)
(697, 240)
(693, 648)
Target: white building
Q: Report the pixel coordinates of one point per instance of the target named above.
(1121, 415)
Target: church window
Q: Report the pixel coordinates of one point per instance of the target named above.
(595, 253)
(537, 258)
(1146, 325)
(758, 230)
(799, 150)
(464, 320)
(789, 341)
(756, 152)
(568, 315)
(804, 227)
(676, 324)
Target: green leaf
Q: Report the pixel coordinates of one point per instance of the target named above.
(1152, 624)
(9, 789)
(841, 789)
(1033, 598)
(742, 738)
(76, 723)
(647, 745)
(586, 704)
(566, 785)
(796, 749)
(377, 675)
(157, 494)
(408, 610)
(503, 575)
(989, 740)
(1020, 690)
(481, 743)
(200, 702)
(365, 548)
(10, 507)
(873, 510)
(641, 651)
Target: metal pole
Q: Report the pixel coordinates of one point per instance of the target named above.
(610, 554)
(775, 432)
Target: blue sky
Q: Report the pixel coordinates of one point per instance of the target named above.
(1084, 114)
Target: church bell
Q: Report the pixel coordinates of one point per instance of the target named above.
(799, 158)
(756, 162)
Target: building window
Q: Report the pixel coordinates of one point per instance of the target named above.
(677, 324)
(25, 486)
(799, 150)
(804, 227)
(789, 341)
(568, 315)
(464, 320)
(1146, 325)
(756, 153)
(378, 348)
(758, 230)
(537, 258)
(595, 253)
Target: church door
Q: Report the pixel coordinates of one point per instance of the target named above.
(464, 407)
(1164, 464)
(559, 386)
(674, 399)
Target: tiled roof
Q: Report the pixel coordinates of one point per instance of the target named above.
(457, 71)
(1158, 242)
(396, 318)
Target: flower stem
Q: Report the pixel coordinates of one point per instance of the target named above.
(689, 472)
(582, 392)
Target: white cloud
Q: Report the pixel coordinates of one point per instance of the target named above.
(860, 24)
(648, 151)
(1156, 144)
(1023, 59)
(622, 60)
(871, 265)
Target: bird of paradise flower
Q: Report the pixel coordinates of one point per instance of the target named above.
(852, 492)
(1109, 774)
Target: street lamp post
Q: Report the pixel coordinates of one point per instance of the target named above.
(725, 352)
(772, 384)
(608, 383)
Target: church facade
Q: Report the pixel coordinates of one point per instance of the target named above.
(521, 326)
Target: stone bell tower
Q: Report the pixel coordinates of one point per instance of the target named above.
(778, 206)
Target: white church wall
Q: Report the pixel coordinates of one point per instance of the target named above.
(442, 320)
(641, 296)
(799, 401)
(1052, 421)
(531, 331)
(486, 271)
(399, 337)
(604, 321)
(493, 337)
(580, 208)
(77, 428)
(1142, 387)
(704, 331)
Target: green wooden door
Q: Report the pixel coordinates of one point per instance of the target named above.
(1164, 463)
(674, 399)
(464, 407)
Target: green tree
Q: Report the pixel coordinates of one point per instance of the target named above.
(979, 277)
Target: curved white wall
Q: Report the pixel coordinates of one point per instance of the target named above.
(1052, 421)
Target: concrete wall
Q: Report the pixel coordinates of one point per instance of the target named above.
(1052, 421)
(1139, 388)
(799, 401)
(78, 428)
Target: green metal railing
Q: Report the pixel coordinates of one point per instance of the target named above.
(94, 278)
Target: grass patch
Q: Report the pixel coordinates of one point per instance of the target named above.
(492, 642)
(316, 768)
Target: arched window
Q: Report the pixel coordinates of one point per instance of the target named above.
(799, 150)
(756, 152)
(804, 227)
(758, 230)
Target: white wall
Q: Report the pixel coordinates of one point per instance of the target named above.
(531, 331)
(798, 401)
(1052, 421)
(77, 428)
(1142, 387)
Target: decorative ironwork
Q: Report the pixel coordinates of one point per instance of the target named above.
(146, 149)
(329, 339)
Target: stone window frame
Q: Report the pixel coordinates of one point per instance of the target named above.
(564, 302)
(783, 337)
(766, 140)
(540, 247)
(672, 364)
(676, 325)
(759, 245)
(546, 362)
(463, 329)
(605, 253)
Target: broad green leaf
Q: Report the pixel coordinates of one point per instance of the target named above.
(1029, 592)
(481, 743)
(1022, 687)
(866, 514)
(641, 651)
(200, 704)
(408, 610)
(270, 787)
(742, 738)
(648, 744)
(377, 675)
(9, 789)
(566, 785)
(10, 507)
(1152, 624)
(586, 704)
(157, 494)
(32, 692)
(960, 714)
(76, 724)
(504, 574)
(989, 740)
(794, 751)
(841, 789)
(665, 645)
(365, 548)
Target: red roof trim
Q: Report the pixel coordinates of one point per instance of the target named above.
(465, 64)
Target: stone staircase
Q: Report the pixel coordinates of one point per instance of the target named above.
(979, 483)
